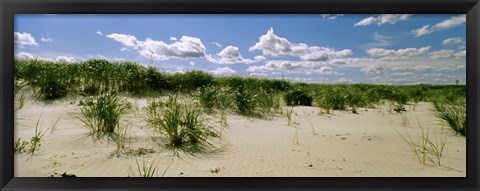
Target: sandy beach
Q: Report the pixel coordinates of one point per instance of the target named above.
(316, 144)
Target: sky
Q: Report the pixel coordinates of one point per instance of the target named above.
(396, 49)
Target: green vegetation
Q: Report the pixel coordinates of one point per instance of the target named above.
(248, 96)
(101, 115)
(22, 146)
(182, 126)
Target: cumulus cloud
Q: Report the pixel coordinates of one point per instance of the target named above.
(46, 39)
(223, 71)
(447, 53)
(273, 45)
(25, 55)
(446, 24)
(173, 38)
(99, 32)
(192, 63)
(231, 55)
(450, 41)
(383, 19)
(331, 16)
(185, 47)
(372, 70)
(125, 39)
(398, 54)
(22, 39)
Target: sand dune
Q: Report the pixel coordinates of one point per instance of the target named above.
(340, 144)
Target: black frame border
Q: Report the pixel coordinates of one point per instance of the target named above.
(8, 8)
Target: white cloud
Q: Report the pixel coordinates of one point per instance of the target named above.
(125, 39)
(192, 63)
(217, 44)
(398, 54)
(447, 53)
(22, 39)
(64, 59)
(325, 70)
(344, 81)
(186, 47)
(449, 41)
(446, 24)
(383, 19)
(123, 49)
(271, 44)
(444, 53)
(173, 38)
(24, 55)
(231, 55)
(372, 70)
(99, 32)
(46, 39)
(331, 16)
(422, 31)
(223, 71)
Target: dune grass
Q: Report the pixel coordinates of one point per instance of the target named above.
(453, 113)
(101, 115)
(181, 126)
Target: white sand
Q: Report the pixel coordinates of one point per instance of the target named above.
(340, 144)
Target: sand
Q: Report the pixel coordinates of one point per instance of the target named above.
(340, 144)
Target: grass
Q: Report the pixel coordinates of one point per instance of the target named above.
(182, 126)
(22, 146)
(145, 169)
(289, 116)
(426, 148)
(453, 113)
(101, 115)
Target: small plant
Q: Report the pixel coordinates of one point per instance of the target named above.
(20, 146)
(426, 149)
(183, 127)
(145, 170)
(435, 150)
(101, 115)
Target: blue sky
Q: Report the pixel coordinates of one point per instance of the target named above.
(382, 49)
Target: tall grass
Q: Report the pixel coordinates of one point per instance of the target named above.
(181, 126)
(101, 115)
(453, 113)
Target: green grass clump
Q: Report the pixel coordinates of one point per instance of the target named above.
(145, 169)
(101, 115)
(454, 113)
(182, 127)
